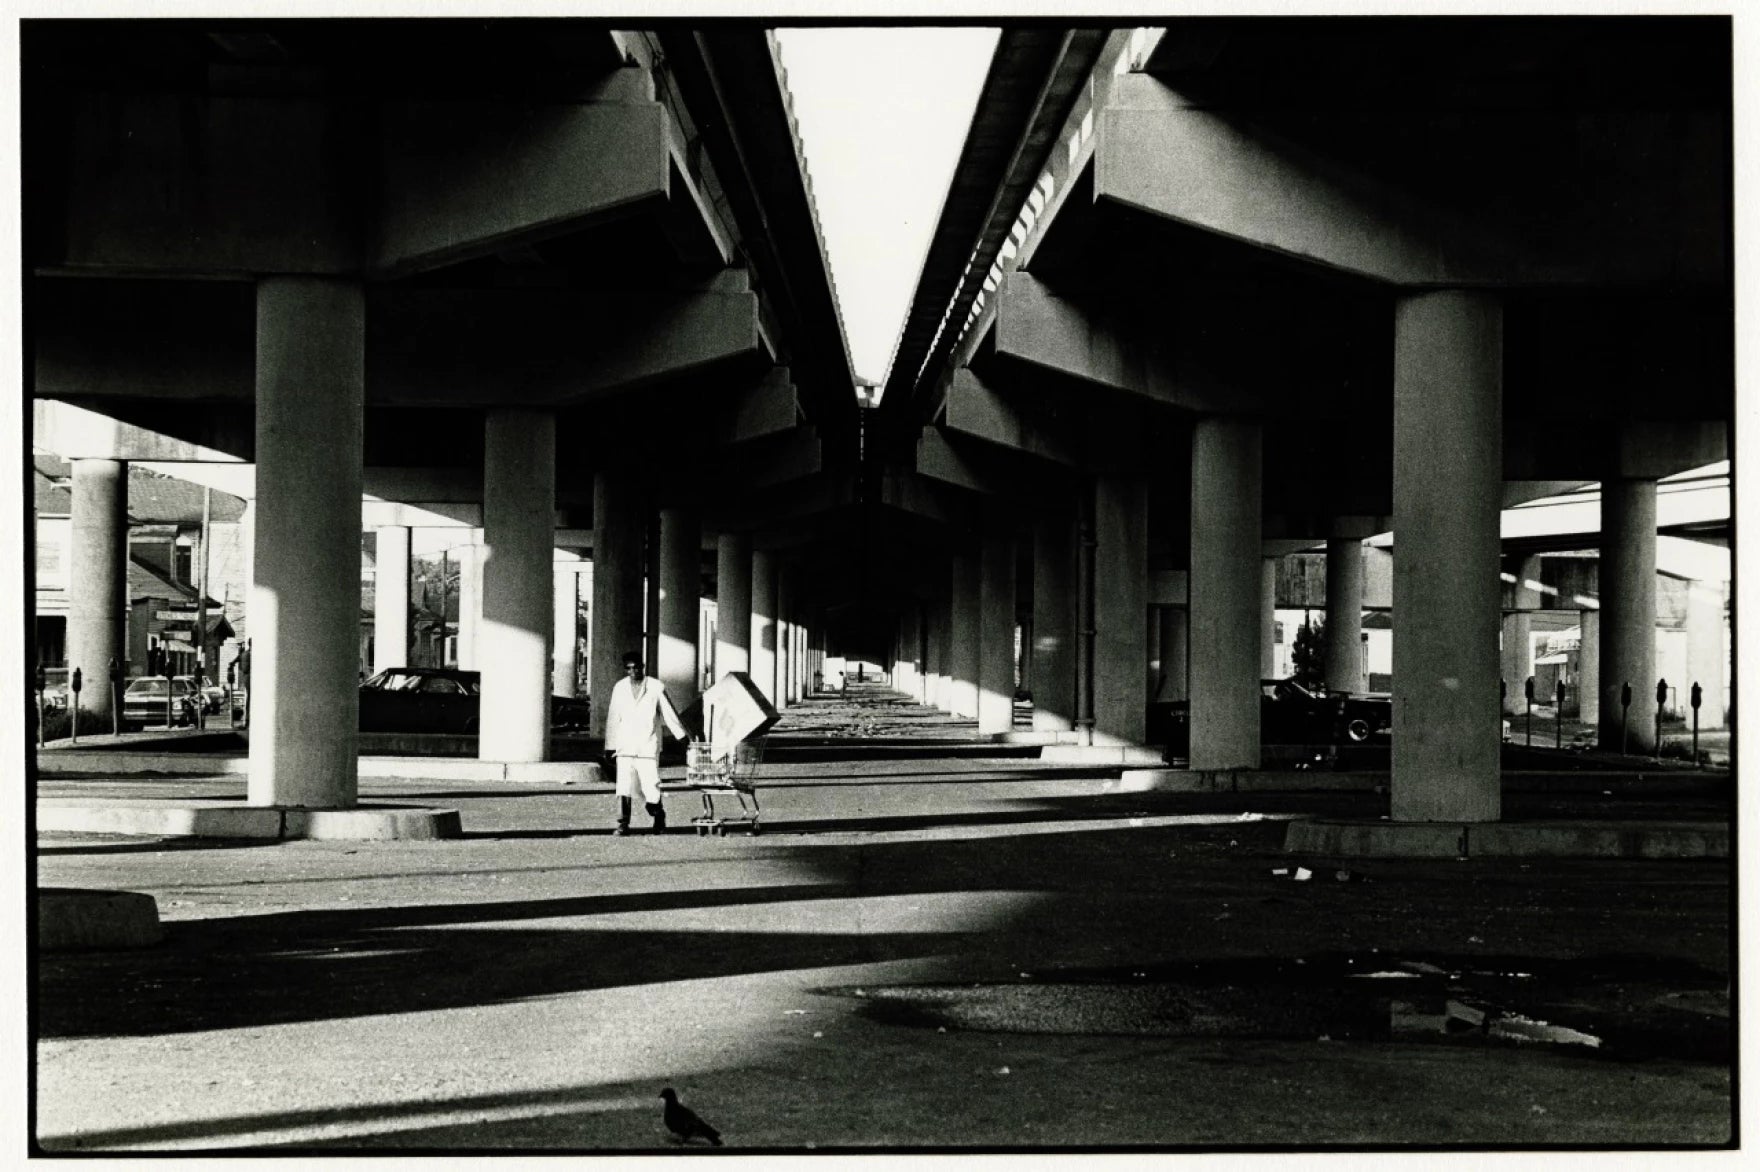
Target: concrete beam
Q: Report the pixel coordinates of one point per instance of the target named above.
(765, 462)
(76, 433)
(1080, 340)
(555, 347)
(1216, 171)
(975, 408)
(766, 407)
(193, 341)
(464, 179)
(909, 492)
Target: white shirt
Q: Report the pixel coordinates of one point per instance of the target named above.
(632, 727)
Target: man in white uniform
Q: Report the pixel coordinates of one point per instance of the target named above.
(632, 731)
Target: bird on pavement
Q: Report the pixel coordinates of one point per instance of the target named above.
(683, 1123)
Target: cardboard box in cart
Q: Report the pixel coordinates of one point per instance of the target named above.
(734, 710)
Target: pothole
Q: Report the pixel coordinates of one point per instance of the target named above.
(1624, 1007)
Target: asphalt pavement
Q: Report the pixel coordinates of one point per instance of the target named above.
(935, 944)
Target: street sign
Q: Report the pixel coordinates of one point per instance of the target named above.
(176, 616)
(175, 645)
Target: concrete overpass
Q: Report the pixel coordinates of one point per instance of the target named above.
(1202, 292)
(550, 279)
(1198, 296)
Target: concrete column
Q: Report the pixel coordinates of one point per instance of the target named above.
(1121, 607)
(1173, 653)
(519, 520)
(1226, 601)
(619, 527)
(996, 588)
(390, 597)
(733, 603)
(912, 623)
(97, 581)
(763, 623)
(1516, 661)
(1627, 584)
(1705, 654)
(470, 599)
(1267, 617)
(1344, 614)
(1054, 615)
(565, 628)
(1589, 668)
(305, 600)
(678, 665)
(784, 602)
(1447, 486)
(963, 636)
(934, 648)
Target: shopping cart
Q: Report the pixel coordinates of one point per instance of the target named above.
(716, 769)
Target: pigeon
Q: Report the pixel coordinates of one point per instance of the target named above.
(683, 1123)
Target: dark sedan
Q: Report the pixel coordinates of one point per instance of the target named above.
(443, 700)
(1290, 714)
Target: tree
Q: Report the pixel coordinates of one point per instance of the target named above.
(1308, 655)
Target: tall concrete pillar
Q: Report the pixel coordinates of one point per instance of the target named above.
(1121, 607)
(390, 597)
(1627, 584)
(678, 665)
(784, 602)
(1226, 601)
(763, 624)
(565, 628)
(1267, 617)
(519, 520)
(1705, 654)
(97, 582)
(996, 587)
(1054, 622)
(1589, 668)
(733, 603)
(305, 600)
(619, 527)
(470, 598)
(934, 649)
(1447, 488)
(1516, 662)
(1344, 614)
(963, 636)
(1173, 653)
(910, 638)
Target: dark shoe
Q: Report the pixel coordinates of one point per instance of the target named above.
(657, 812)
(623, 805)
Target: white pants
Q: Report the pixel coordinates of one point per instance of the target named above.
(645, 770)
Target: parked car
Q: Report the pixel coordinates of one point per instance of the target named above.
(443, 700)
(144, 702)
(1291, 714)
(212, 697)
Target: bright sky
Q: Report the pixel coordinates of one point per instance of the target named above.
(883, 113)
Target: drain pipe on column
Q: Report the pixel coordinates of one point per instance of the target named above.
(1085, 629)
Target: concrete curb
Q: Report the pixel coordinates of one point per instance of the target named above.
(260, 823)
(1555, 840)
(1203, 781)
(1101, 755)
(71, 918)
(117, 764)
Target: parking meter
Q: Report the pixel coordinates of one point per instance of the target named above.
(1661, 699)
(1558, 715)
(42, 686)
(76, 683)
(1661, 692)
(1697, 696)
(115, 696)
(1625, 712)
